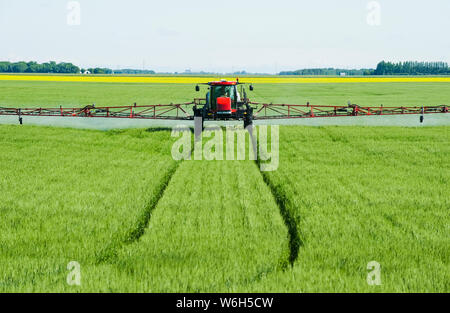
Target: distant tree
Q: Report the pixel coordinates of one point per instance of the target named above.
(19, 67)
(67, 68)
(32, 67)
(4, 67)
(99, 70)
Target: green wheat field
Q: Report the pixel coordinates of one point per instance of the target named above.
(138, 221)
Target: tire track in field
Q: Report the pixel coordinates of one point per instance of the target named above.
(288, 217)
(220, 233)
(286, 213)
(142, 223)
(138, 230)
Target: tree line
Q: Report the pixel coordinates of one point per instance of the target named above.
(328, 71)
(34, 67)
(412, 68)
(383, 68)
(132, 71)
(97, 70)
(102, 70)
(61, 68)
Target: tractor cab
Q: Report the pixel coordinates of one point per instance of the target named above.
(223, 97)
(225, 100)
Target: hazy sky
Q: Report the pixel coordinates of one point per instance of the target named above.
(255, 35)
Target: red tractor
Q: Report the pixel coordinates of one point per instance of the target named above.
(225, 100)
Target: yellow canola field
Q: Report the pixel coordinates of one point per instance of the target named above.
(194, 79)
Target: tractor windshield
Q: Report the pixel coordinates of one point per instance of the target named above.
(223, 91)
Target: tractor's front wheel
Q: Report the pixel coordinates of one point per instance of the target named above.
(197, 112)
(200, 113)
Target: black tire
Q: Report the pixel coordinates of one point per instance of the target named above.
(204, 114)
(200, 113)
(248, 119)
